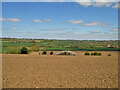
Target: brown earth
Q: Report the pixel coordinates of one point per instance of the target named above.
(45, 71)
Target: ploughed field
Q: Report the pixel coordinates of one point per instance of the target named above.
(53, 71)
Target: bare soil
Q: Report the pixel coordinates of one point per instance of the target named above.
(53, 71)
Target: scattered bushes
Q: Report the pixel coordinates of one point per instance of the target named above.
(95, 54)
(51, 53)
(24, 50)
(109, 54)
(44, 53)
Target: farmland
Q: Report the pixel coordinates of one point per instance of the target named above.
(13, 46)
(54, 71)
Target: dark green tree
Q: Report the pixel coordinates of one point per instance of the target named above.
(51, 53)
(24, 50)
(44, 53)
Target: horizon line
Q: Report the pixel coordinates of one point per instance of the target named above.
(59, 39)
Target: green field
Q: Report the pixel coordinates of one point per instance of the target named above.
(14, 46)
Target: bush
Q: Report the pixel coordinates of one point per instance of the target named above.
(24, 50)
(51, 53)
(44, 53)
(92, 53)
(95, 53)
(87, 53)
(99, 54)
(109, 54)
(66, 53)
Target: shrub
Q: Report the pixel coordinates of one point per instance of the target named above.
(99, 54)
(44, 53)
(24, 50)
(66, 53)
(51, 53)
(87, 53)
(109, 54)
(92, 53)
(95, 53)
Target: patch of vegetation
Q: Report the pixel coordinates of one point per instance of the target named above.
(44, 52)
(109, 54)
(14, 45)
(66, 53)
(34, 49)
(93, 54)
(87, 54)
(24, 50)
(11, 50)
(99, 54)
(51, 53)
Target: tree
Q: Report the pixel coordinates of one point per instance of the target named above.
(44, 53)
(24, 50)
(51, 53)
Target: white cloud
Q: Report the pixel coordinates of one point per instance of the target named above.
(96, 3)
(37, 20)
(115, 29)
(96, 24)
(41, 21)
(10, 19)
(100, 4)
(116, 6)
(76, 22)
(85, 3)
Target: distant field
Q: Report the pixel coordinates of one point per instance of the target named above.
(14, 45)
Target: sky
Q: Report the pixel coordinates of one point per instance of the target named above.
(60, 20)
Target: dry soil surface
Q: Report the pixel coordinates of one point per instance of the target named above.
(53, 71)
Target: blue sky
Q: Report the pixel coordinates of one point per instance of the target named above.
(59, 20)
